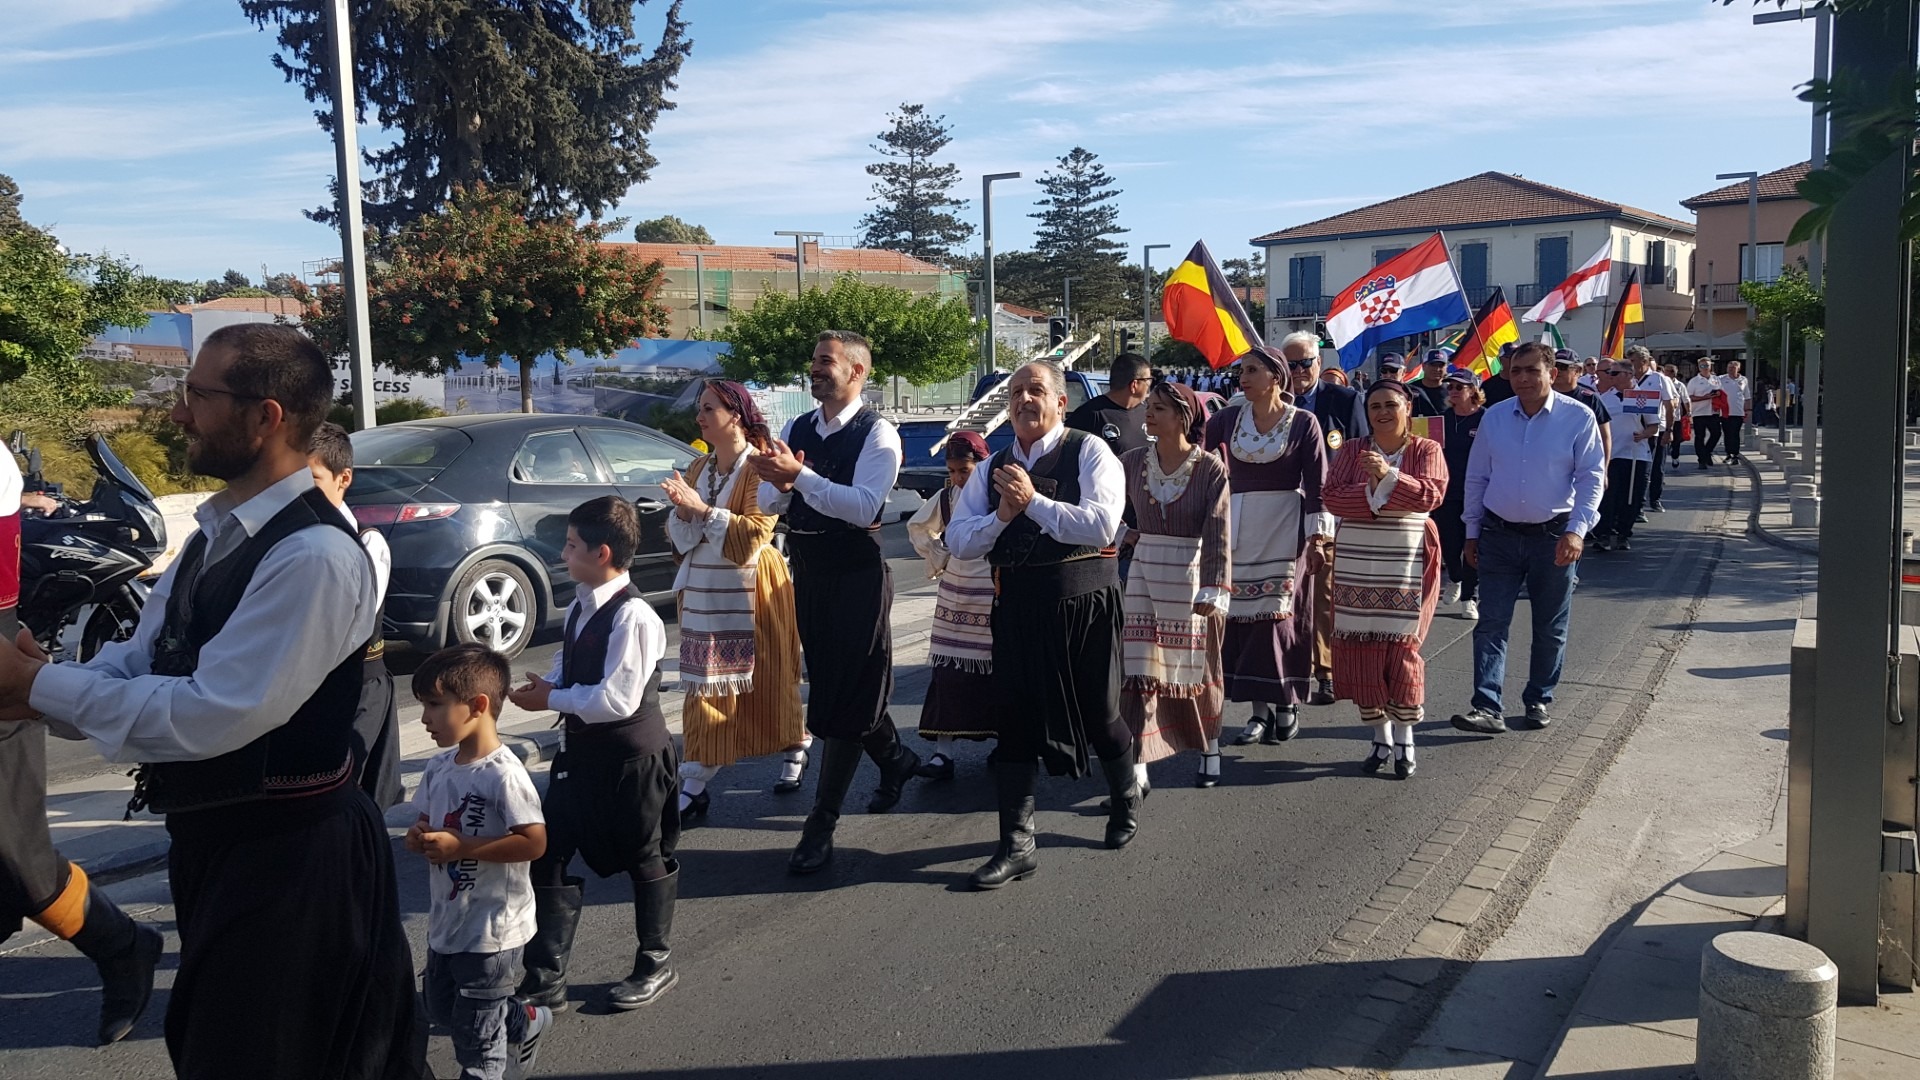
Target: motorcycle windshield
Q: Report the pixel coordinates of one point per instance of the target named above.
(111, 466)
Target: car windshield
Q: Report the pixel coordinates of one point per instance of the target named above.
(430, 448)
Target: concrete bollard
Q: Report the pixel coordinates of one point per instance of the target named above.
(1790, 461)
(1767, 1009)
(1806, 511)
(1768, 445)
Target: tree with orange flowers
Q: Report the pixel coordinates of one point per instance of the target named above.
(482, 280)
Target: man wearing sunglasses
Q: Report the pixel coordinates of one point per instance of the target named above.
(1342, 416)
(238, 692)
(1119, 418)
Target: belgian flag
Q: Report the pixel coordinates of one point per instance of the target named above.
(1492, 326)
(1202, 311)
(1629, 311)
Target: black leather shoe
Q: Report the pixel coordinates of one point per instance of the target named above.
(1481, 721)
(1255, 731)
(696, 808)
(787, 787)
(1203, 779)
(1376, 760)
(839, 761)
(1286, 724)
(1146, 789)
(894, 774)
(937, 767)
(815, 849)
(556, 914)
(1017, 857)
(125, 954)
(1123, 813)
(653, 973)
(1537, 717)
(1322, 693)
(1403, 767)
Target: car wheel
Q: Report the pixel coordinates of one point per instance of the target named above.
(494, 606)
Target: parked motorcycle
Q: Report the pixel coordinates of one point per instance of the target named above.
(85, 560)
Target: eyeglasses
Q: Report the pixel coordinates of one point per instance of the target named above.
(1302, 365)
(1616, 371)
(189, 391)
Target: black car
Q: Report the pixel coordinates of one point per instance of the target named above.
(475, 511)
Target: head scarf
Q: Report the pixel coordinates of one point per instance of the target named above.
(1267, 357)
(1395, 385)
(739, 400)
(975, 446)
(1188, 402)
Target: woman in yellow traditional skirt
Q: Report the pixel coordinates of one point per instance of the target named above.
(960, 652)
(739, 645)
(1176, 592)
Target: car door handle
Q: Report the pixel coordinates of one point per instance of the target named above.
(649, 506)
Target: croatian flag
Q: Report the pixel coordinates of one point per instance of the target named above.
(1412, 292)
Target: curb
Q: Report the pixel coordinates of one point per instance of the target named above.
(1759, 531)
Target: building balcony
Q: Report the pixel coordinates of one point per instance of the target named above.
(1302, 307)
(1719, 294)
(1525, 296)
(1477, 295)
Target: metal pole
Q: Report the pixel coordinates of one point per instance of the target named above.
(986, 241)
(1873, 48)
(353, 242)
(1780, 387)
(1710, 303)
(1816, 255)
(1066, 302)
(699, 287)
(1146, 298)
(799, 256)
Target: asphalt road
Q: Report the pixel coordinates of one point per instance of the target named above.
(1191, 953)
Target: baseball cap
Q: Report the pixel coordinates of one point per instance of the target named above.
(1392, 361)
(1437, 356)
(1566, 358)
(1463, 377)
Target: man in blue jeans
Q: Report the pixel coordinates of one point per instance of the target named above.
(1532, 495)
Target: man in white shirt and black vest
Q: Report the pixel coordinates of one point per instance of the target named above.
(1043, 512)
(829, 474)
(238, 691)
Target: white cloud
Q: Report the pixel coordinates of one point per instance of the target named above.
(135, 128)
(115, 48)
(26, 19)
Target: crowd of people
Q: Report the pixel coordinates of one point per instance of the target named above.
(1107, 584)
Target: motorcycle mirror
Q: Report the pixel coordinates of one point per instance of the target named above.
(17, 442)
(33, 464)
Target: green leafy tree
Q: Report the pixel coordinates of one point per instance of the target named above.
(483, 279)
(922, 339)
(670, 230)
(281, 284)
(554, 99)
(51, 304)
(10, 219)
(1076, 234)
(917, 213)
(1791, 297)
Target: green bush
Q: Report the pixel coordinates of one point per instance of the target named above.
(388, 412)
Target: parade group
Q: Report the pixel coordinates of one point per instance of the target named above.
(1107, 584)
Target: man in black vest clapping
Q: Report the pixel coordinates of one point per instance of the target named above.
(829, 474)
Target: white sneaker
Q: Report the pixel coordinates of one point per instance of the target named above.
(1470, 611)
(521, 1057)
(1450, 593)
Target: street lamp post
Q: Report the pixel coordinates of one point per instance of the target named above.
(800, 238)
(1750, 266)
(1146, 298)
(699, 286)
(353, 243)
(1066, 302)
(1710, 313)
(986, 240)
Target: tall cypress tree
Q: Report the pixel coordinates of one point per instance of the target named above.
(917, 211)
(1078, 224)
(553, 99)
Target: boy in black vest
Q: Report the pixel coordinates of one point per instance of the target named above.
(612, 796)
(376, 742)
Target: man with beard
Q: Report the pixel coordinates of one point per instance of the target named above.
(35, 881)
(829, 474)
(238, 691)
(1041, 511)
(1342, 416)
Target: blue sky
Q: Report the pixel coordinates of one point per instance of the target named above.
(159, 130)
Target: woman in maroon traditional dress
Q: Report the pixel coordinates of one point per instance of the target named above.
(1275, 463)
(1386, 572)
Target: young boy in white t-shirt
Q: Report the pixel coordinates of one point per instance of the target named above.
(480, 825)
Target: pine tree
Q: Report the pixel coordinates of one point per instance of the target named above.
(669, 229)
(917, 211)
(1078, 223)
(553, 99)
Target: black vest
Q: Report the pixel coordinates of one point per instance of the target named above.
(308, 755)
(583, 662)
(834, 457)
(1057, 476)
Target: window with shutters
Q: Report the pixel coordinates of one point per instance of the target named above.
(1550, 261)
(1473, 269)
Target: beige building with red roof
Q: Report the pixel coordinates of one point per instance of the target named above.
(1502, 230)
(735, 276)
(1722, 214)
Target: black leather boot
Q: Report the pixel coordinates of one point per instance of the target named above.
(653, 973)
(896, 768)
(1017, 857)
(1123, 812)
(556, 914)
(839, 760)
(125, 953)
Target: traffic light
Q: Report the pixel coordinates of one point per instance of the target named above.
(1056, 332)
(1126, 341)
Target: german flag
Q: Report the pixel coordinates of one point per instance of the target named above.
(1202, 311)
(1629, 311)
(1492, 327)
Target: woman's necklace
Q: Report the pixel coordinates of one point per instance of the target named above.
(716, 480)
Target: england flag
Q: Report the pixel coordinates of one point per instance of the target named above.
(1412, 292)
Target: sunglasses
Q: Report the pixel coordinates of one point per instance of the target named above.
(1301, 365)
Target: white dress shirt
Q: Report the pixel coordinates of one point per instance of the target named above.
(1532, 469)
(635, 645)
(1094, 520)
(1700, 390)
(1626, 424)
(377, 551)
(874, 472)
(310, 605)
